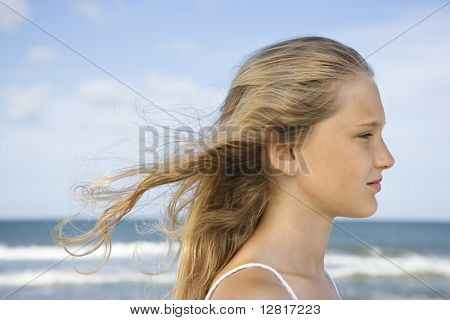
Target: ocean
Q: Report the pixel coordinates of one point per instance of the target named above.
(367, 260)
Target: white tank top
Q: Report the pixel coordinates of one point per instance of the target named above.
(264, 266)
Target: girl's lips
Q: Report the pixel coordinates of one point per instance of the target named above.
(376, 186)
(376, 181)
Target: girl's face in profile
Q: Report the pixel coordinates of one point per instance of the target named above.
(343, 154)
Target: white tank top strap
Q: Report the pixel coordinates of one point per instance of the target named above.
(249, 265)
(335, 286)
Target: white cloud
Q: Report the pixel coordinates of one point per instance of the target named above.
(100, 92)
(169, 90)
(24, 103)
(178, 100)
(183, 98)
(10, 20)
(41, 54)
(91, 10)
(101, 13)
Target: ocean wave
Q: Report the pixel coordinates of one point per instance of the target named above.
(339, 267)
(348, 266)
(71, 277)
(369, 251)
(339, 264)
(119, 250)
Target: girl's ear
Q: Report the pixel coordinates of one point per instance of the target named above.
(281, 158)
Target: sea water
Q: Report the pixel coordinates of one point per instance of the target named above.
(367, 260)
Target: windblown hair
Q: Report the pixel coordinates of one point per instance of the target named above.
(280, 92)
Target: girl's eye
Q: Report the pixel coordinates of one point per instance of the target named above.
(366, 136)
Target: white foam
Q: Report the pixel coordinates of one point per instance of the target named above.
(340, 265)
(71, 277)
(347, 265)
(118, 250)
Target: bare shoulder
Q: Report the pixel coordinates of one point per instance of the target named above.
(251, 284)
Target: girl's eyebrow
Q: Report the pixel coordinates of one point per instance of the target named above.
(372, 124)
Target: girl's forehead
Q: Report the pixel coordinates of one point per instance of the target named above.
(359, 102)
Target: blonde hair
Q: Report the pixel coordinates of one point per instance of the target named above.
(284, 88)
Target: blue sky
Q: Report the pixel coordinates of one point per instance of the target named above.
(63, 120)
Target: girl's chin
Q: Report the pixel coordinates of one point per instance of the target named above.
(363, 213)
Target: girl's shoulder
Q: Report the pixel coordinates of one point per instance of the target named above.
(248, 282)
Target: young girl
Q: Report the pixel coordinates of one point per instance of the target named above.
(297, 143)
